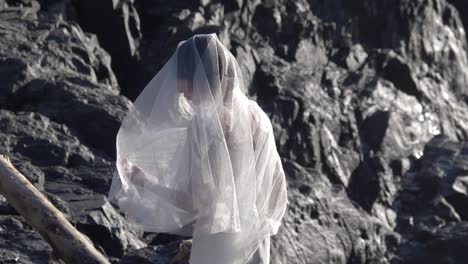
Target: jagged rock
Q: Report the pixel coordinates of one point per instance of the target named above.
(38, 141)
(20, 244)
(44, 149)
(35, 175)
(323, 226)
(445, 245)
(119, 34)
(5, 207)
(28, 37)
(63, 104)
(438, 183)
(432, 205)
(95, 217)
(51, 67)
(75, 102)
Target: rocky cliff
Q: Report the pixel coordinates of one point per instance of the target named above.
(368, 101)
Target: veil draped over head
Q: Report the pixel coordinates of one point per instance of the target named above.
(196, 157)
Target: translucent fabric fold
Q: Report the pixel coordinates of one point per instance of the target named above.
(196, 157)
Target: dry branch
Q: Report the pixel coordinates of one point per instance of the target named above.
(67, 243)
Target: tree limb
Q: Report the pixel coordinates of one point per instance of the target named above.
(68, 243)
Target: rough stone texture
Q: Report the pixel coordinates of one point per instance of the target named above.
(119, 33)
(152, 254)
(462, 8)
(50, 66)
(20, 244)
(70, 174)
(322, 222)
(432, 205)
(368, 101)
(61, 110)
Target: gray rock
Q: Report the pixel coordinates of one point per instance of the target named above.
(152, 254)
(438, 183)
(35, 139)
(80, 102)
(119, 34)
(95, 217)
(432, 205)
(20, 244)
(444, 245)
(51, 67)
(56, 79)
(70, 174)
(323, 226)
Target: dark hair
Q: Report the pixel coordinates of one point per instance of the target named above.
(194, 49)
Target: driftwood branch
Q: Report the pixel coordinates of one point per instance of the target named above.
(67, 243)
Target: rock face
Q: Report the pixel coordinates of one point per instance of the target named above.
(432, 205)
(368, 101)
(51, 67)
(61, 110)
(119, 33)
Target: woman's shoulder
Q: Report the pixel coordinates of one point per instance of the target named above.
(259, 117)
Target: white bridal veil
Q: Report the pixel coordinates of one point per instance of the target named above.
(196, 157)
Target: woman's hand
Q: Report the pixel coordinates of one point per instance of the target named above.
(134, 173)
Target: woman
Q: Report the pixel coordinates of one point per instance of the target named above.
(196, 157)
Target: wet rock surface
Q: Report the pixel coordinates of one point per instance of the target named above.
(368, 101)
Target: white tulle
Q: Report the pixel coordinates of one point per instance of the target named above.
(196, 157)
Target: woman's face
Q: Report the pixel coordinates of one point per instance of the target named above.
(183, 87)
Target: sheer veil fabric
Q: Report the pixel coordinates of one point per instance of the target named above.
(196, 157)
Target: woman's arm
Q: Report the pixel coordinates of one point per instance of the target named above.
(278, 197)
(270, 170)
(143, 183)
